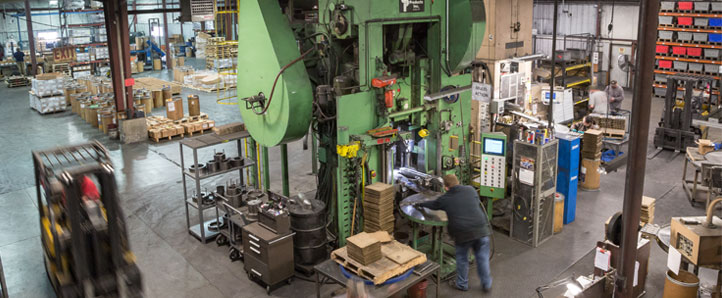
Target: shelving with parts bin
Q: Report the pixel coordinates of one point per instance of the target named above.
(203, 229)
(689, 41)
(89, 44)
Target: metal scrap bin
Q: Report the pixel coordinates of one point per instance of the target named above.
(699, 36)
(696, 67)
(680, 65)
(685, 36)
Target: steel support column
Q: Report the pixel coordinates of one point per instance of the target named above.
(31, 38)
(168, 58)
(266, 169)
(116, 24)
(284, 169)
(555, 19)
(228, 17)
(641, 107)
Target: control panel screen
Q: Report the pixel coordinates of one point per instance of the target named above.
(493, 146)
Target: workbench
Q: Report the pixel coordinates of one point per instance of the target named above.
(329, 270)
(698, 161)
(616, 145)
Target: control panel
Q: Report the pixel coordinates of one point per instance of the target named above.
(493, 165)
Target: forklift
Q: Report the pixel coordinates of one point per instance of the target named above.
(83, 232)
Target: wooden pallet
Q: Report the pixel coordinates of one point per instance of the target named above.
(397, 259)
(16, 81)
(613, 133)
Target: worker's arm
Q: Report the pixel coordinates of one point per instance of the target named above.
(433, 205)
(620, 97)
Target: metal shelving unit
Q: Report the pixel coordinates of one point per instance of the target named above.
(689, 41)
(202, 230)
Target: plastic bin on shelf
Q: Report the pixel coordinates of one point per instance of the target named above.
(711, 68)
(665, 63)
(660, 77)
(660, 91)
(667, 5)
(715, 37)
(715, 6)
(685, 5)
(696, 52)
(715, 22)
(684, 36)
(701, 22)
(701, 6)
(680, 65)
(711, 53)
(684, 21)
(666, 34)
(679, 50)
(695, 67)
(660, 49)
(666, 20)
(699, 36)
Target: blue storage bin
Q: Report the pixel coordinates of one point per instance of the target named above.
(567, 183)
(569, 147)
(715, 37)
(715, 22)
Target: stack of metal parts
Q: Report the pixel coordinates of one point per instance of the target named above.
(592, 144)
(379, 208)
(363, 248)
(309, 223)
(234, 194)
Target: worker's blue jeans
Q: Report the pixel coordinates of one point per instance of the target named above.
(481, 249)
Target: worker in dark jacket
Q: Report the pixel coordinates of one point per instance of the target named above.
(469, 227)
(20, 60)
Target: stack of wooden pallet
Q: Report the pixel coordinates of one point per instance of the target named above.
(379, 208)
(396, 259)
(157, 84)
(592, 144)
(160, 127)
(17, 81)
(363, 248)
(647, 216)
(611, 126)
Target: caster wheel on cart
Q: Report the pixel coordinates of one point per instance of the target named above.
(288, 281)
(268, 290)
(221, 240)
(234, 255)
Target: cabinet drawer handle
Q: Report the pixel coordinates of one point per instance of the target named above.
(253, 237)
(255, 250)
(256, 272)
(254, 243)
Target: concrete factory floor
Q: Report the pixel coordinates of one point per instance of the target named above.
(174, 264)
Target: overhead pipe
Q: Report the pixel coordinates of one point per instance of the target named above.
(634, 185)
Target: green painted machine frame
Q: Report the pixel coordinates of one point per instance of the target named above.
(426, 50)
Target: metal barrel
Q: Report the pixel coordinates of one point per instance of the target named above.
(309, 223)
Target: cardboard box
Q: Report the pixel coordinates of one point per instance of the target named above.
(229, 128)
(704, 146)
(180, 73)
(589, 177)
(700, 245)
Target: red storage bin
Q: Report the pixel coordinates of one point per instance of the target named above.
(685, 5)
(679, 50)
(685, 21)
(665, 63)
(662, 49)
(694, 52)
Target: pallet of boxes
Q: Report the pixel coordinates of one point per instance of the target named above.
(377, 257)
(47, 94)
(613, 127)
(175, 124)
(589, 177)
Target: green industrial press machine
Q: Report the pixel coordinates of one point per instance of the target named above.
(377, 85)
